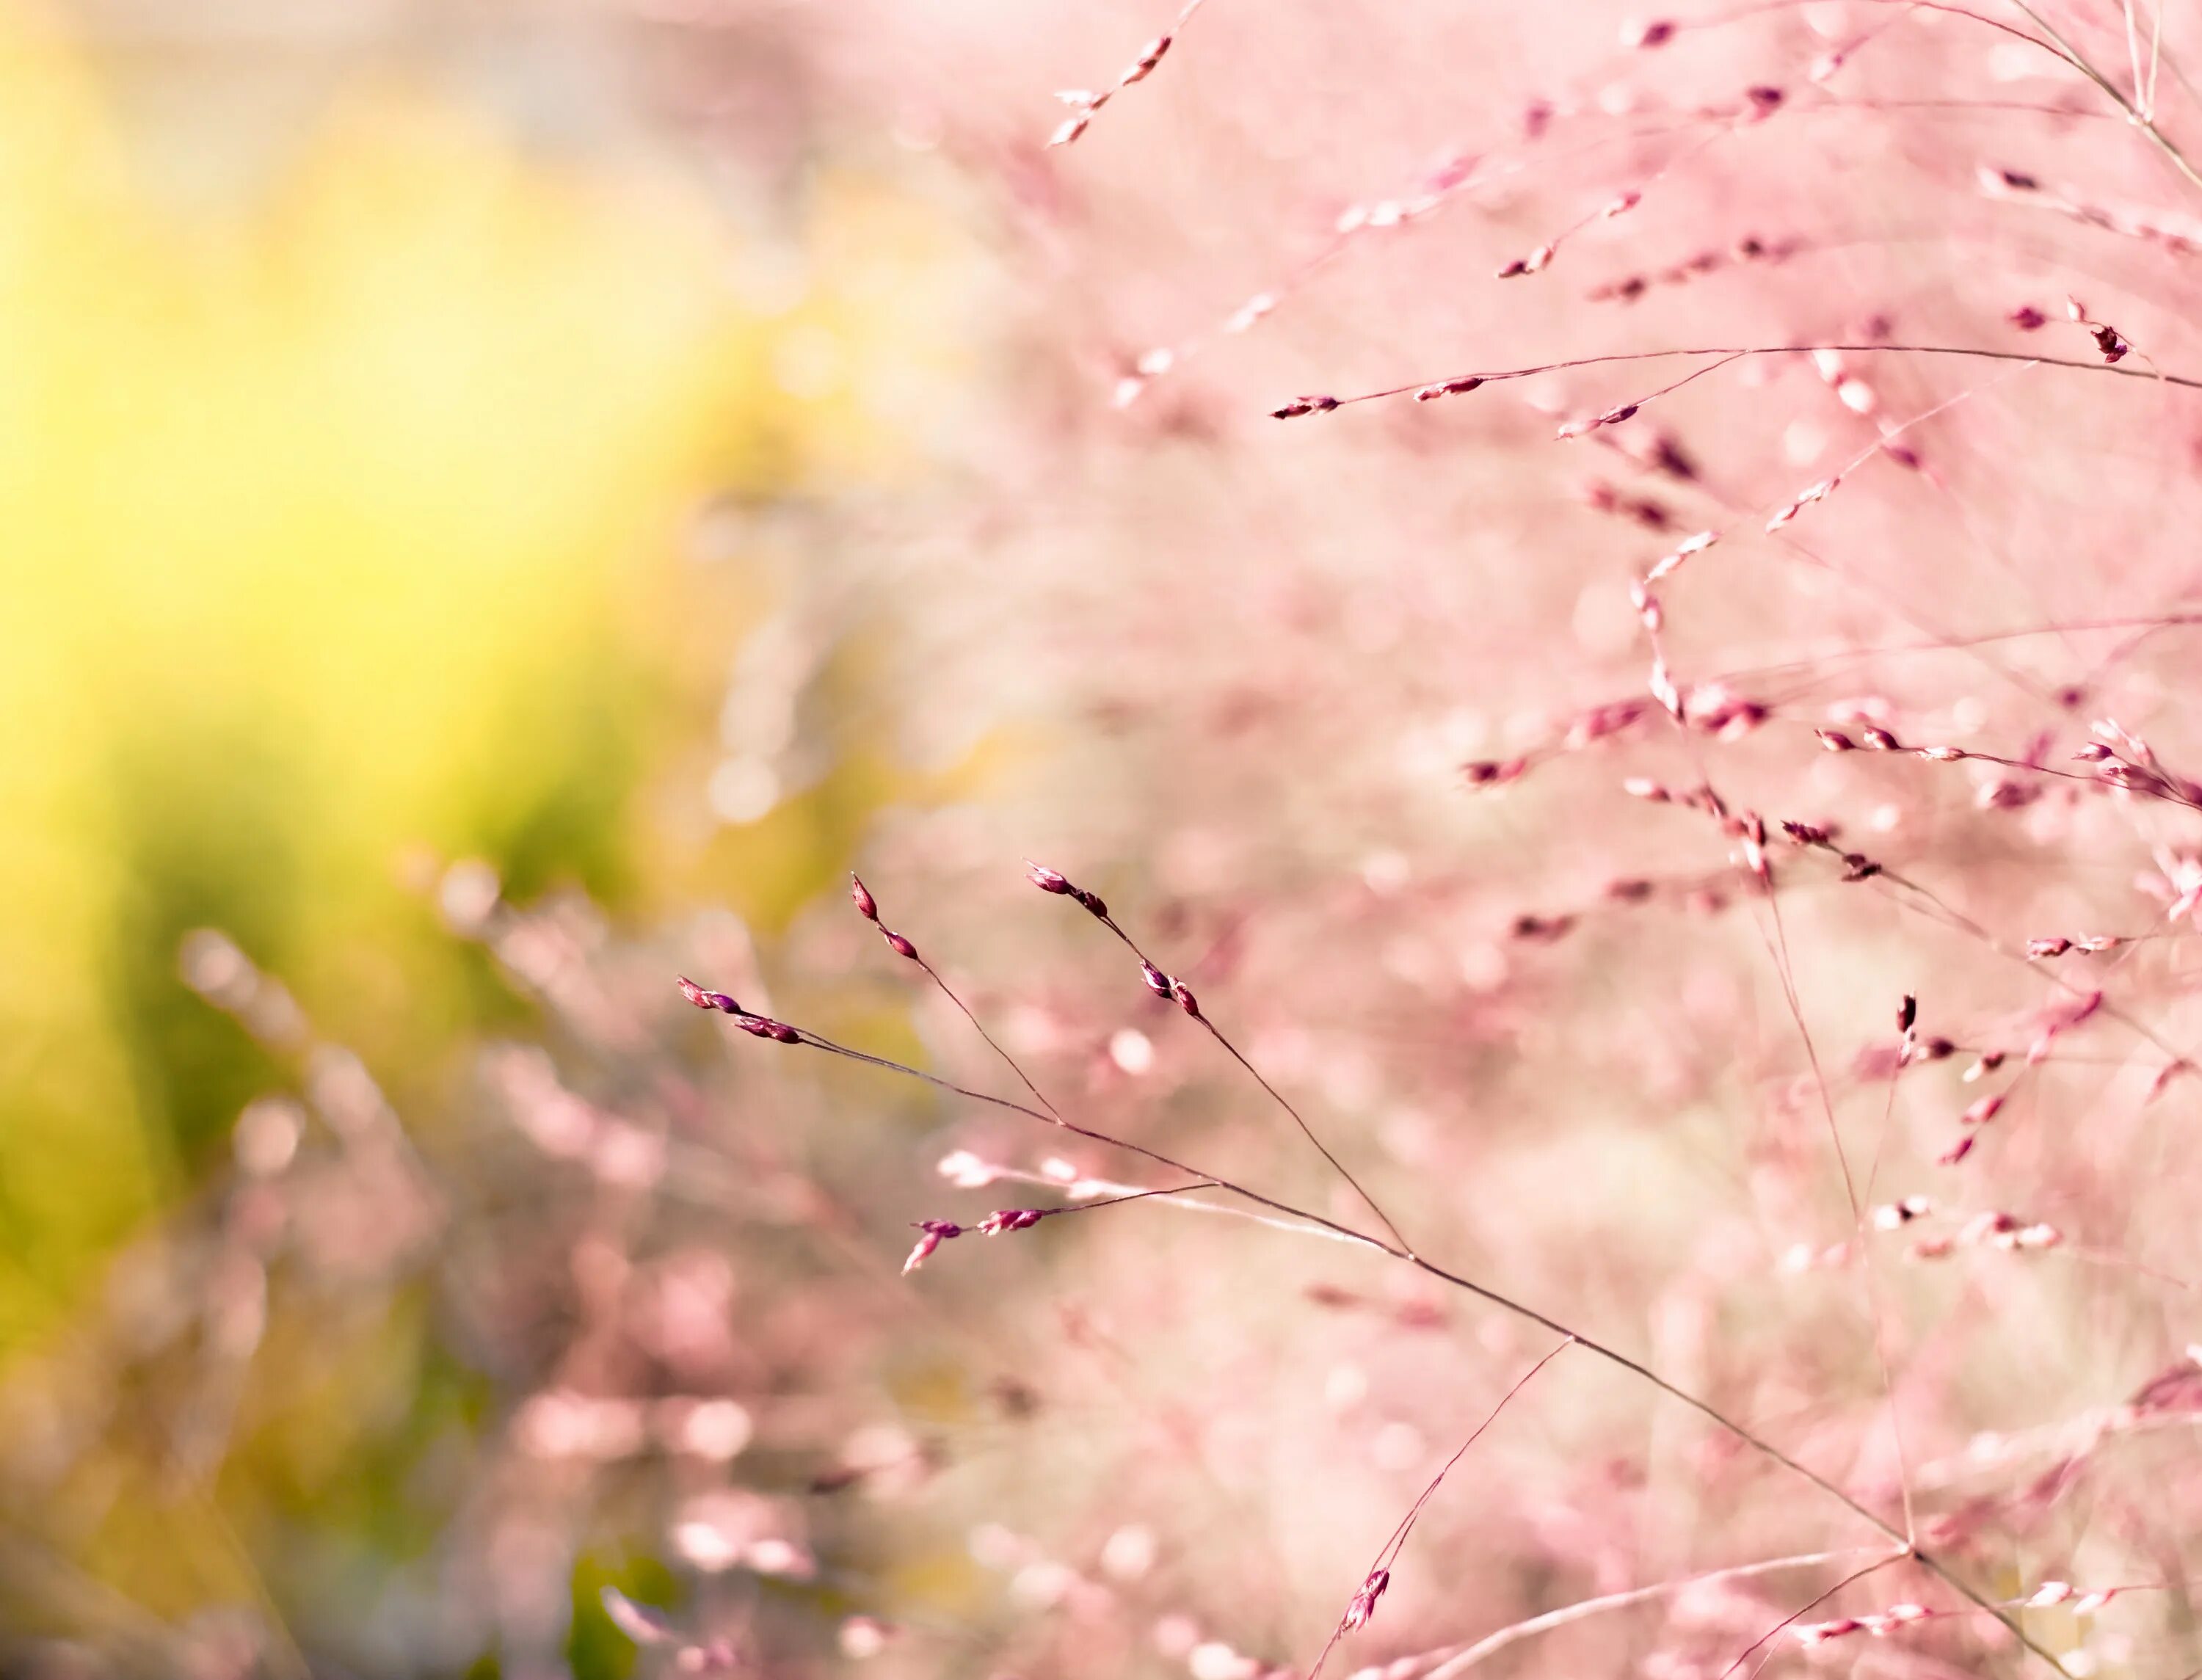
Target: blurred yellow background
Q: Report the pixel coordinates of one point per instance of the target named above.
(349, 524)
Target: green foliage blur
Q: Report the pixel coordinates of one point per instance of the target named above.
(346, 536)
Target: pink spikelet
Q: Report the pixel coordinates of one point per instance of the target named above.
(1982, 1111)
(1051, 881)
(1363, 1607)
(703, 999)
(933, 1233)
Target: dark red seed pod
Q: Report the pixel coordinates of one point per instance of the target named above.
(861, 896)
(1093, 901)
(780, 1033)
(1186, 1000)
(1158, 981)
(1047, 879)
(1835, 740)
(899, 944)
(1907, 1012)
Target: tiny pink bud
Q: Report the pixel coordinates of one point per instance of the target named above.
(1186, 1000)
(2026, 318)
(899, 944)
(1158, 981)
(781, 1032)
(1148, 59)
(1365, 1602)
(1986, 1109)
(861, 896)
(703, 999)
(1655, 32)
(935, 1232)
(1878, 738)
(1300, 406)
(1011, 1219)
(1046, 878)
(1814, 1633)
